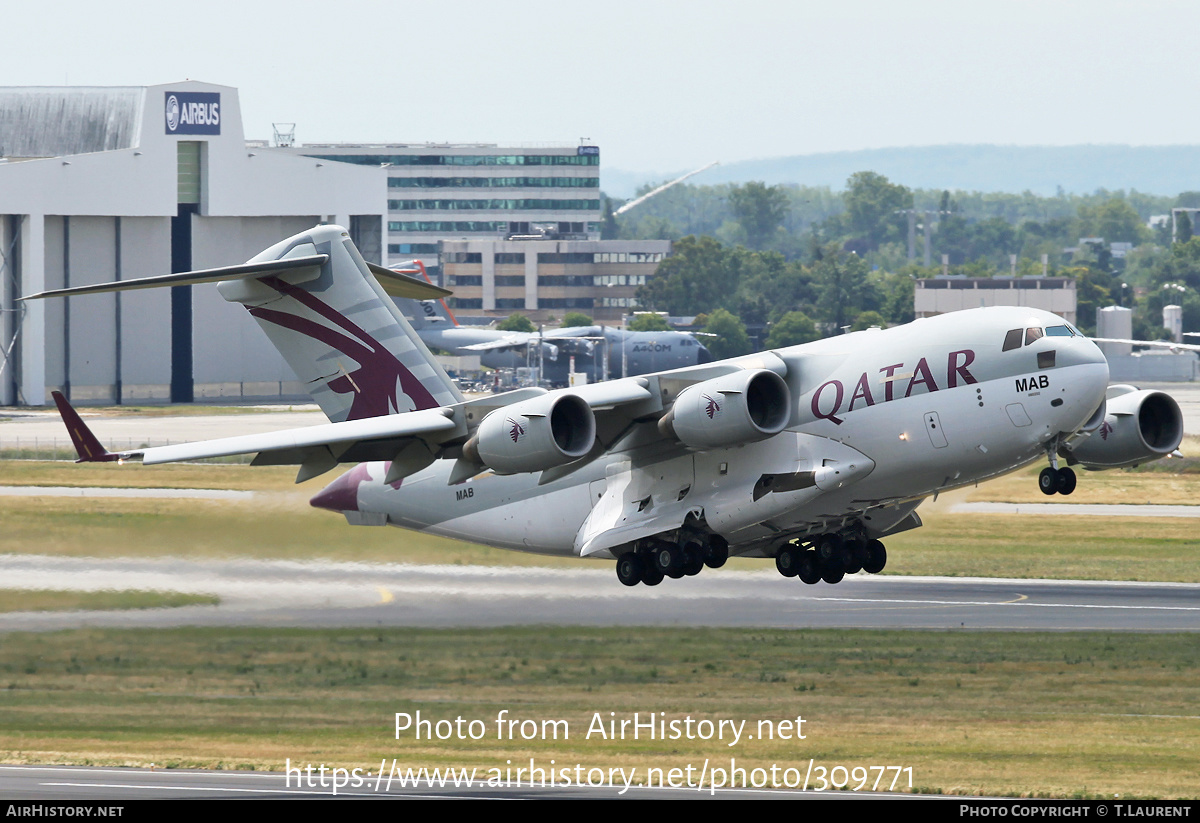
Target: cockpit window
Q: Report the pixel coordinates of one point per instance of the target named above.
(1012, 340)
(1031, 335)
(1060, 331)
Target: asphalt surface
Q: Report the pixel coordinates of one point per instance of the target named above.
(330, 594)
(75, 784)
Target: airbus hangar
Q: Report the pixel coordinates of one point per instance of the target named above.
(116, 183)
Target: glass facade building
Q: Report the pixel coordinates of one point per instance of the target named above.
(477, 191)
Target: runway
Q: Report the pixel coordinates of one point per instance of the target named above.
(79, 784)
(329, 594)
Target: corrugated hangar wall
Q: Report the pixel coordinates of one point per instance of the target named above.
(96, 343)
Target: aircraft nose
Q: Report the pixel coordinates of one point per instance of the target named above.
(703, 356)
(342, 494)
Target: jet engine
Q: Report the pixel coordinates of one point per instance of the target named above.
(743, 407)
(533, 435)
(1138, 426)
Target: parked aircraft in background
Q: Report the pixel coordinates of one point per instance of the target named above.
(811, 455)
(600, 352)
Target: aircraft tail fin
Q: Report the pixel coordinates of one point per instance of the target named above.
(423, 312)
(331, 316)
(87, 445)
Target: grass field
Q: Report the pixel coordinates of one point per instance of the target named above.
(47, 600)
(1060, 715)
(970, 713)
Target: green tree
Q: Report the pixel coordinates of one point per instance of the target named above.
(516, 322)
(868, 319)
(871, 204)
(699, 274)
(649, 321)
(770, 286)
(729, 335)
(1115, 220)
(574, 319)
(842, 283)
(760, 209)
(792, 329)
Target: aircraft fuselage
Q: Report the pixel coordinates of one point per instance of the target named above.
(896, 415)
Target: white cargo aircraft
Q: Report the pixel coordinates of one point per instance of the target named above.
(810, 455)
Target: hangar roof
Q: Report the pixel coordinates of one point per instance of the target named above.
(52, 121)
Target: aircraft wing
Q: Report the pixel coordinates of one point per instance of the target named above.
(388, 427)
(1154, 344)
(500, 345)
(410, 441)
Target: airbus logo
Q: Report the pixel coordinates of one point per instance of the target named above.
(192, 112)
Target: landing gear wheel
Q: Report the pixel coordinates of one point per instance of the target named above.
(1066, 480)
(876, 557)
(832, 573)
(693, 559)
(853, 556)
(807, 568)
(828, 546)
(787, 562)
(668, 559)
(718, 552)
(1048, 480)
(651, 576)
(630, 569)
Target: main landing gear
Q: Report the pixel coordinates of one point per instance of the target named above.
(652, 560)
(830, 557)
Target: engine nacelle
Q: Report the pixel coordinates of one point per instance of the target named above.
(743, 407)
(1138, 426)
(533, 435)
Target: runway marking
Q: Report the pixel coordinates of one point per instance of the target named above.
(1083, 509)
(1024, 602)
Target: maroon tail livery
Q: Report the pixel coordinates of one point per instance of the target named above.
(86, 444)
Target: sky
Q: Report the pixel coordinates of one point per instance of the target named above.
(659, 85)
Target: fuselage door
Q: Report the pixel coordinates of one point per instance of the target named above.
(933, 425)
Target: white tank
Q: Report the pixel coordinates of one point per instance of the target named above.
(1115, 322)
(1173, 321)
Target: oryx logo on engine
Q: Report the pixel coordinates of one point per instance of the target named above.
(515, 430)
(712, 406)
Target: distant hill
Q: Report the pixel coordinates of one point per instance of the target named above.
(1163, 170)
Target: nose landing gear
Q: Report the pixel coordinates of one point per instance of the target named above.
(1054, 480)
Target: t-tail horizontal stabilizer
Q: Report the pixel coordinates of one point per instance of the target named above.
(86, 443)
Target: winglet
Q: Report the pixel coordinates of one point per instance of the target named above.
(89, 448)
